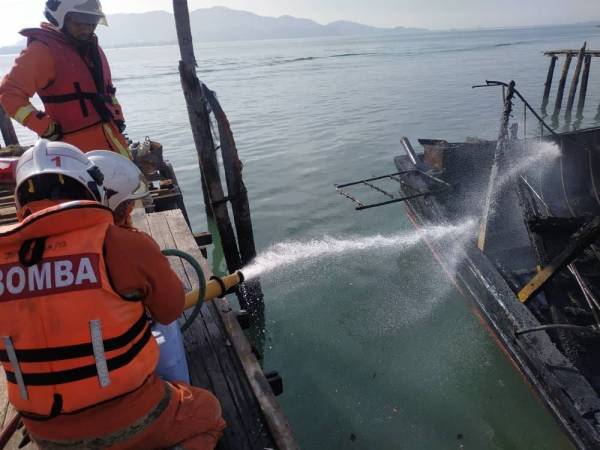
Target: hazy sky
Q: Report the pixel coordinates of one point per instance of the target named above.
(17, 14)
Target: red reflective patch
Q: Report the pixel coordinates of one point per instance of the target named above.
(50, 276)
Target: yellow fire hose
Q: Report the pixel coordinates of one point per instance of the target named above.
(216, 287)
(207, 291)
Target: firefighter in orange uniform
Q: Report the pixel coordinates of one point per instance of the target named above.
(66, 67)
(74, 293)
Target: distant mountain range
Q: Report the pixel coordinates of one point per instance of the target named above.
(222, 24)
(218, 24)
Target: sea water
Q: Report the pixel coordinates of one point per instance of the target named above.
(377, 349)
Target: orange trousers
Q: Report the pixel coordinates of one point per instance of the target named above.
(192, 421)
(185, 416)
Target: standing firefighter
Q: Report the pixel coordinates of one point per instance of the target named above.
(66, 67)
(75, 341)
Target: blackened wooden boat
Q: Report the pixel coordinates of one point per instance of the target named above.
(532, 263)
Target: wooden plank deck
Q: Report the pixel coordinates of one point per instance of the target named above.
(219, 356)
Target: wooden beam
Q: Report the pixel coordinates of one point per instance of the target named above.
(582, 239)
(584, 86)
(236, 190)
(575, 81)
(593, 53)
(238, 197)
(7, 130)
(548, 85)
(561, 84)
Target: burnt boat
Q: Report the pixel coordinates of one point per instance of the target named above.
(533, 265)
(531, 261)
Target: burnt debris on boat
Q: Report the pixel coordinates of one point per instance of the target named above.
(532, 266)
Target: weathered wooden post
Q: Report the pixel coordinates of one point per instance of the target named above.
(562, 83)
(197, 96)
(548, 85)
(575, 81)
(584, 85)
(200, 123)
(238, 196)
(6, 128)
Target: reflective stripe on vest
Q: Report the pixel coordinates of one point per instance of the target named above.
(23, 113)
(73, 99)
(69, 341)
(114, 141)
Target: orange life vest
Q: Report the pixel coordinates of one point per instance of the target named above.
(77, 98)
(68, 341)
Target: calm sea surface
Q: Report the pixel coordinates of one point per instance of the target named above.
(377, 349)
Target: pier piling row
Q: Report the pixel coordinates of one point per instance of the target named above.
(581, 74)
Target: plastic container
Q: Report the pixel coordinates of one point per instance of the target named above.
(172, 364)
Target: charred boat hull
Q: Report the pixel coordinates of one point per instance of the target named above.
(492, 278)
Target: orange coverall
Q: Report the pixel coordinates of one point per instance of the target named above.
(192, 419)
(33, 70)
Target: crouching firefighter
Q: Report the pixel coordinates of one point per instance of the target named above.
(75, 341)
(125, 184)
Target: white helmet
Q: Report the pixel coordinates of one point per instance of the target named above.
(56, 10)
(122, 178)
(73, 169)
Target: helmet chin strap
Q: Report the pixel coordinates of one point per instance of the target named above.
(80, 44)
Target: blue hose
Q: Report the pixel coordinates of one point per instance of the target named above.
(201, 283)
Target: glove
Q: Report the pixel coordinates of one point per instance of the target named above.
(120, 125)
(54, 132)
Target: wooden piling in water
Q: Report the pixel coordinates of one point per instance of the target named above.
(238, 196)
(575, 82)
(200, 124)
(562, 83)
(198, 99)
(236, 190)
(584, 85)
(548, 85)
(7, 130)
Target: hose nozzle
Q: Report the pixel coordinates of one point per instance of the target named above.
(216, 287)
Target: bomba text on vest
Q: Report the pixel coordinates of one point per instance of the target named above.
(50, 276)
